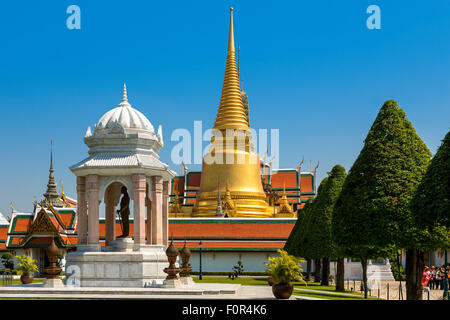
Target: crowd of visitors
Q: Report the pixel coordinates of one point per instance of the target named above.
(433, 277)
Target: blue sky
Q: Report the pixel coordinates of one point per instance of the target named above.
(311, 69)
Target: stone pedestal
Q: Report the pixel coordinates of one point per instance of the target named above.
(123, 265)
(53, 283)
(89, 247)
(122, 245)
(187, 281)
(172, 283)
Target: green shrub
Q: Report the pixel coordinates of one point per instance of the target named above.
(285, 268)
(26, 265)
(226, 273)
(237, 270)
(7, 260)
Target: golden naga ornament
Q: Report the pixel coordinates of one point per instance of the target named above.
(231, 157)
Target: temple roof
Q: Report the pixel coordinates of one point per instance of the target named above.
(121, 160)
(216, 234)
(30, 229)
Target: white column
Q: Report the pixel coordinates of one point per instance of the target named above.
(81, 210)
(148, 204)
(139, 186)
(156, 221)
(110, 215)
(93, 214)
(165, 213)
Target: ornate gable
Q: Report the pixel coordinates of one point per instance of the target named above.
(43, 224)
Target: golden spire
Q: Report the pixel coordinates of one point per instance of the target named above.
(231, 113)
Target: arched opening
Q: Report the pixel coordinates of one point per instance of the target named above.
(113, 220)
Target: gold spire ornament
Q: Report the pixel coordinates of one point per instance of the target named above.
(51, 195)
(285, 210)
(231, 114)
(228, 160)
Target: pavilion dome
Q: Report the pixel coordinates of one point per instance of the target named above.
(124, 116)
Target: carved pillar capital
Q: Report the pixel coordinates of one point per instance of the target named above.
(165, 188)
(81, 184)
(92, 182)
(157, 184)
(139, 182)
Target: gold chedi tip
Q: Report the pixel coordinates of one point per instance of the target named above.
(231, 113)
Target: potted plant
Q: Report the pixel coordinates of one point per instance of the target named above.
(26, 267)
(283, 270)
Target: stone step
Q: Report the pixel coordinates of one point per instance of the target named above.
(194, 290)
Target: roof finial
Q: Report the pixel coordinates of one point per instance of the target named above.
(219, 212)
(231, 34)
(51, 154)
(124, 93)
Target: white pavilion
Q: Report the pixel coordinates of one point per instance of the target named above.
(123, 151)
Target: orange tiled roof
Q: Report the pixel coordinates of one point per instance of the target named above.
(285, 178)
(221, 229)
(177, 185)
(193, 180)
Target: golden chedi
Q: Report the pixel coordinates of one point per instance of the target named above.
(231, 163)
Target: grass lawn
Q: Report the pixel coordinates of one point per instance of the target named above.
(321, 291)
(329, 296)
(17, 281)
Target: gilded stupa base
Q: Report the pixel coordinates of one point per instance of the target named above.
(234, 204)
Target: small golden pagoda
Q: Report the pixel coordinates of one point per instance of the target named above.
(285, 210)
(231, 158)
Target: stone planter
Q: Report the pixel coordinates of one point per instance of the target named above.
(282, 290)
(26, 279)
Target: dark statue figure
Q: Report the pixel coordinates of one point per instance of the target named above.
(124, 213)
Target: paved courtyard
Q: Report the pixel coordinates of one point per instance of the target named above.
(198, 291)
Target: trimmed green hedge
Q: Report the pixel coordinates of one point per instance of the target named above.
(226, 273)
(14, 272)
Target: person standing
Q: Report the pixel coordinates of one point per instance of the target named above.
(433, 278)
(441, 278)
(124, 213)
(426, 277)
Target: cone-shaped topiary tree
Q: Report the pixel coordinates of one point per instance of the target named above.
(319, 228)
(295, 244)
(430, 208)
(372, 214)
(290, 245)
(304, 239)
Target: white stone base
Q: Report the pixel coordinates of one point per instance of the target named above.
(53, 283)
(122, 245)
(122, 267)
(187, 281)
(172, 283)
(89, 247)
